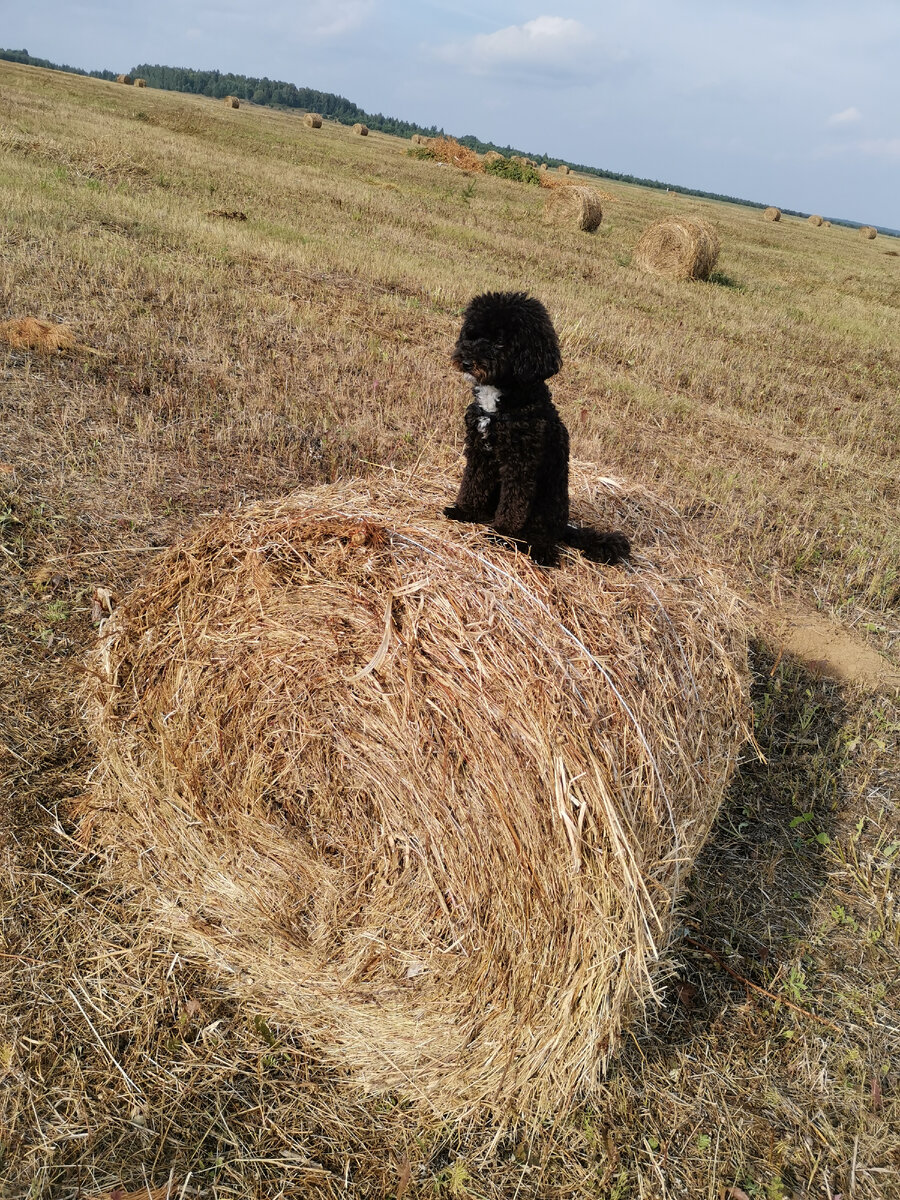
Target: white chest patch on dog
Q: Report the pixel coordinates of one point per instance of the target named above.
(486, 397)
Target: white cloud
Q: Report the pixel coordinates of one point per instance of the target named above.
(881, 148)
(547, 45)
(849, 116)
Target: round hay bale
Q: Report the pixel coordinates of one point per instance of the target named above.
(231, 102)
(361, 130)
(574, 207)
(868, 231)
(492, 156)
(423, 801)
(826, 224)
(419, 139)
(772, 214)
(140, 83)
(678, 247)
(313, 120)
(124, 79)
(543, 167)
(563, 169)
(815, 219)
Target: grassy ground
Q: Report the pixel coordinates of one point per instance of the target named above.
(309, 342)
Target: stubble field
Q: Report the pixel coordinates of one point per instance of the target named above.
(241, 359)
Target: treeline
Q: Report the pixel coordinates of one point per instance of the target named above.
(22, 56)
(276, 93)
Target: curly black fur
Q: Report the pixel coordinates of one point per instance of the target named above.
(517, 448)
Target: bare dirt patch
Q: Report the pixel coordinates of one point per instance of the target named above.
(826, 647)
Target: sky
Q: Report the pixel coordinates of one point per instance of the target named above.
(794, 103)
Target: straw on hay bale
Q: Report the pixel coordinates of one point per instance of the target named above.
(140, 83)
(31, 333)
(868, 231)
(421, 800)
(361, 130)
(231, 102)
(575, 207)
(772, 214)
(123, 79)
(815, 219)
(679, 247)
(563, 169)
(313, 120)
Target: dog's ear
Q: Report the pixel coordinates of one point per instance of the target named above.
(533, 350)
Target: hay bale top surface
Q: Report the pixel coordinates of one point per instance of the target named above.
(361, 130)
(313, 120)
(815, 219)
(772, 214)
(576, 207)
(679, 248)
(424, 801)
(31, 333)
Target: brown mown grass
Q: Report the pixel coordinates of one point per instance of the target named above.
(247, 358)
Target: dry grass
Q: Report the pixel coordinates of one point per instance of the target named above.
(772, 214)
(574, 207)
(679, 248)
(227, 214)
(247, 358)
(453, 914)
(449, 150)
(31, 333)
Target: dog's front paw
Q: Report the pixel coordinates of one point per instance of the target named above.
(456, 514)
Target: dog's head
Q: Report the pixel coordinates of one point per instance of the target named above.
(507, 338)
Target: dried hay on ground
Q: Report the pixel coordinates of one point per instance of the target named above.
(417, 797)
(313, 120)
(575, 207)
(450, 151)
(231, 102)
(868, 231)
(31, 333)
(140, 83)
(678, 247)
(361, 130)
(815, 219)
(123, 79)
(772, 214)
(227, 214)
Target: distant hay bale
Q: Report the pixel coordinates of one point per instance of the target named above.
(416, 798)
(231, 102)
(140, 83)
(563, 169)
(772, 214)
(419, 139)
(815, 219)
(31, 333)
(543, 167)
(868, 231)
(574, 207)
(826, 224)
(361, 130)
(678, 247)
(124, 79)
(313, 120)
(492, 156)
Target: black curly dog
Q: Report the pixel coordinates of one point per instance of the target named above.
(517, 448)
